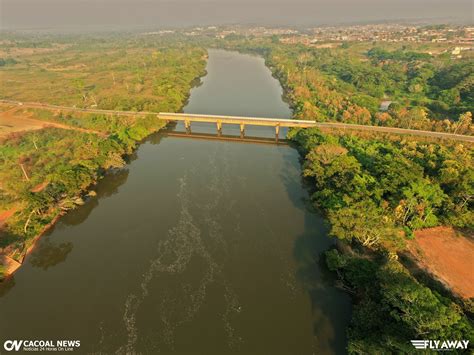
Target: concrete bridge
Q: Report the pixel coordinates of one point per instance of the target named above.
(244, 121)
(187, 118)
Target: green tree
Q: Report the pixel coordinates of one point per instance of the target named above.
(421, 199)
(362, 221)
(416, 306)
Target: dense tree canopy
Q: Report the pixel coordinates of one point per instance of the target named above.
(407, 184)
(375, 192)
(392, 307)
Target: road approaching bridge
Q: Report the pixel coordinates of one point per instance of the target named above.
(243, 121)
(187, 118)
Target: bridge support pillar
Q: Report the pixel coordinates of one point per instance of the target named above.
(219, 127)
(242, 130)
(187, 125)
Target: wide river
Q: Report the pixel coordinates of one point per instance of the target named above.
(198, 246)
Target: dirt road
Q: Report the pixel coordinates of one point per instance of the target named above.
(14, 121)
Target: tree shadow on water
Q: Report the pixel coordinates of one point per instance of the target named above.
(292, 177)
(330, 307)
(6, 285)
(106, 187)
(8, 239)
(48, 253)
(155, 138)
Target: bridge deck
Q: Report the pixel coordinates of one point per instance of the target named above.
(276, 122)
(282, 122)
(257, 121)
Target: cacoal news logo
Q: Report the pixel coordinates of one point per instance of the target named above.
(41, 345)
(440, 345)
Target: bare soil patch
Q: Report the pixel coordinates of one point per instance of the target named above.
(11, 122)
(40, 187)
(4, 215)
(16, 120)
(448, 255)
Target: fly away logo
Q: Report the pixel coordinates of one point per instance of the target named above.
(440, 345)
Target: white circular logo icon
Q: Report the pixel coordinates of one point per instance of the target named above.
(10, 345)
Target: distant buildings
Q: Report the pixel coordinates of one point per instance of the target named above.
(393, 33)
(460, 37)
(361, 33)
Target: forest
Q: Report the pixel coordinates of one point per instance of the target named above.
(376, 191)
(47, 172)
(349, 83)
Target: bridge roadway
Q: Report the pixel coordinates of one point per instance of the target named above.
(243, 121)
(187, 118)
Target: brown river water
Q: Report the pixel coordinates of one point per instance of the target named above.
(198, 246)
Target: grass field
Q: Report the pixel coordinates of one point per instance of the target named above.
(133, 73)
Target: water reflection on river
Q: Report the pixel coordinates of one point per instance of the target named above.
(198, 247)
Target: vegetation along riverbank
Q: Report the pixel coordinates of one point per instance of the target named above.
(49, 169)
(376, 190)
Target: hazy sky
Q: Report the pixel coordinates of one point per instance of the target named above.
(129, 14)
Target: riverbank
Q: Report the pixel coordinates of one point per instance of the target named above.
(68, 166)
(348, 189)
(455, 278)
(14, 258)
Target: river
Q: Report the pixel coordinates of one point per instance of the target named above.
(196, 247)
